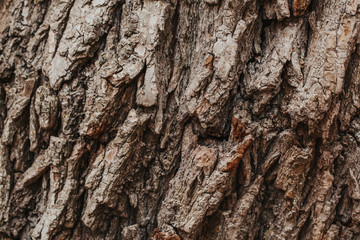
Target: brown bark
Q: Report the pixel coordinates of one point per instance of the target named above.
(170, 119)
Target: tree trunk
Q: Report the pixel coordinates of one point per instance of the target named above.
(179, 119)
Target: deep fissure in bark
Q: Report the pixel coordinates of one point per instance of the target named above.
(169, 119)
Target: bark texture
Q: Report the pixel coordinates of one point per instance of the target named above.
(179, 119)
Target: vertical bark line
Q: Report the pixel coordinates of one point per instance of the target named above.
(170, 119)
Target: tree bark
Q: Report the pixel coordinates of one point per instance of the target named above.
(179, 119)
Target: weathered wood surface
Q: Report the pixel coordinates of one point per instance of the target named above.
(179, 119)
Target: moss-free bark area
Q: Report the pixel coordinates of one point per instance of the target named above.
(179, 119)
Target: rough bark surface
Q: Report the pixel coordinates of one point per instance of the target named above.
(179, 119)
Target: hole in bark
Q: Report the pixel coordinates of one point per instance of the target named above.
(302, 132)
